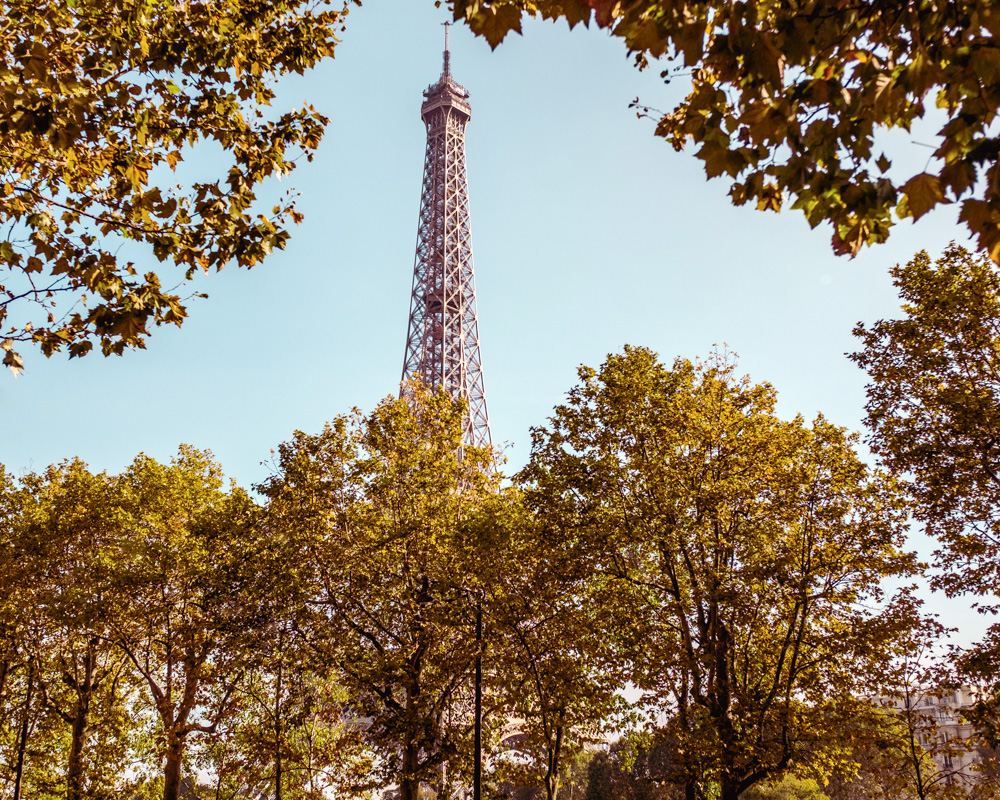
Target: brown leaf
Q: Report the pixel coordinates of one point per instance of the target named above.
(604, 11)
(493, 23)
(13, 362)
(922, 193)
(976, 214)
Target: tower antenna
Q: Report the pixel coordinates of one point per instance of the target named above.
(447, 53)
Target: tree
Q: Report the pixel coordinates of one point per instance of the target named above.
(188, 601)
(786, 99)
(884, 759)
(987, 780)
(933, 418)
(290, 735)
(390, 512)
(738, 561)
(62, 543)
(910, 746)
(545, 646)
(147, 628)
(66, 727)
(16, 666)
(934, 376)
(98, 100)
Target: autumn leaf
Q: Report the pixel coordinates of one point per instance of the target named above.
(604, 11)
(978, 214)
(494, 22)
(13, 362)
(922, 193)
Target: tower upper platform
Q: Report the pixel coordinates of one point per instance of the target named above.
(446, 93)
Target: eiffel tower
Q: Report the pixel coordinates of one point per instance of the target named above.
(442, 343)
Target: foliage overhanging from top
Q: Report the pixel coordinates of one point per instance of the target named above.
(787, 97)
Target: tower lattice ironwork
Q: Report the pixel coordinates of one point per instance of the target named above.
(442, 344)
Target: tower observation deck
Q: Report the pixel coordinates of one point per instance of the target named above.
(442, 342)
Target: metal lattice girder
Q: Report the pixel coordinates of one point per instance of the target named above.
(442, 343)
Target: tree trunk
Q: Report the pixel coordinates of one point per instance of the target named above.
(408, 784)
(277, 726)
(477, 767)
(552, 766)
(23, 742)
(172, 769)
(85, 691)
(729, 790)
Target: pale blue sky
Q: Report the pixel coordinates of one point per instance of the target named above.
(588, 233)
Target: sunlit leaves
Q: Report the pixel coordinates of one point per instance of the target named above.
(792, 96)
(391, 513)
(493, 23)
(737, 560)
(934, 418)
(97, 99)
(921, 193)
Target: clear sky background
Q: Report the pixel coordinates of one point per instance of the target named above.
(588, 232)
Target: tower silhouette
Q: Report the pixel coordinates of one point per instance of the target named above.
(442, 342)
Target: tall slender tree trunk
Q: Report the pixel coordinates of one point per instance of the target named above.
(22, 745)
(4, 671)
(277, 726)
(477, 768)
(81, 720)
(409, 782)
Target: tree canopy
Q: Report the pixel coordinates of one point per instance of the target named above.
(934, 379)
(786, 99)
(676, 566)
(932, 413)
(389, 511)
(100, 103)
(737, 561)
(142, 642)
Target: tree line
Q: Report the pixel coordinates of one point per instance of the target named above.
(677, 568)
